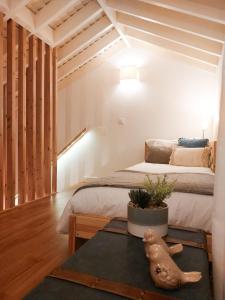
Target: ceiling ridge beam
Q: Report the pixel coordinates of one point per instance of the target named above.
(112, 17)
(86, 37)
(173, 46)
(87, 54)
(193, 8)
(177, 20)
(76, 22)
(169, 33)
(52, 11)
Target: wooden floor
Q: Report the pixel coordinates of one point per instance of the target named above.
(29, 245)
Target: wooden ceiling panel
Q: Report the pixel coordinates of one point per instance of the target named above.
(37, 5)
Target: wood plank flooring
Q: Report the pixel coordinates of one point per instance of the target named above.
(30, 247)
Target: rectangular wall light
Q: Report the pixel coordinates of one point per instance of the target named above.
(129, 73)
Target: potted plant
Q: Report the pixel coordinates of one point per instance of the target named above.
(147, 208)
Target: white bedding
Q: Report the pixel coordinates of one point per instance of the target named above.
(185, 209)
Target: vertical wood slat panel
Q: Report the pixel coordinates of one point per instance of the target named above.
(54, 137)
(11, 113)
(48, 119)
(2, 172)
(31, 119)
(22, 186)
(40, 120)
(5, 138)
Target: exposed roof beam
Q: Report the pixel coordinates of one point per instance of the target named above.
(4, 6)
(170, 18)
(76, 22)
(86, 55)
(52, 11)
(181, 49)
(46, 34)
(171, 33)
(212, 3)
(91, 65)
(16, 4)
(167, 54)
(83, 39)
(111, 15)
(196, 8)
(24, 17)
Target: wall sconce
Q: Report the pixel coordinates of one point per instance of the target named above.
(129, 73)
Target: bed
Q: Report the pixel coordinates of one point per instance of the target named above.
(92, 207)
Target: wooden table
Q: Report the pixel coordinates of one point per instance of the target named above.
(114, 257)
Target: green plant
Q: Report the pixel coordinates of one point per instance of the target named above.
(139, 198)
(159, 190)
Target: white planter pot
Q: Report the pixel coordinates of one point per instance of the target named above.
(139, 220)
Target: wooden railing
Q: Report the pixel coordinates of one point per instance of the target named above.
(72, 142)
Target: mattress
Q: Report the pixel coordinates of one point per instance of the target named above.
(185, 209)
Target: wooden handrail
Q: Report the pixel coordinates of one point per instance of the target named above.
(72, 142)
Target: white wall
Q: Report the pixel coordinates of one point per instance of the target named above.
(218, 223)
(171, 100)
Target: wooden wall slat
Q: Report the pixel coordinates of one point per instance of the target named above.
(2, 172)
(28, 149)
(40, 120)
(11, 113)
(31, 119)
(22, 185)
(5, 138)
(54, 127)
(48, 119)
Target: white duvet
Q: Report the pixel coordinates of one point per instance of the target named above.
(185, 209)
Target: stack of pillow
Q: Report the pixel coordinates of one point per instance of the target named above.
(184, 152)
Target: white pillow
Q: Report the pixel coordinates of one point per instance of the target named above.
(190, 157)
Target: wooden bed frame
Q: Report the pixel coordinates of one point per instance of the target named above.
(85, 226)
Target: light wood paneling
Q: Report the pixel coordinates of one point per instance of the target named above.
(30, 246)
(54, 135)
(22, 115)
(48, 119)
(11, 113)
(2, 172)
(40, 120)
(31, 119)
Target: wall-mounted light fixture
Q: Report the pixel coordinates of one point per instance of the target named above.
(129, 73)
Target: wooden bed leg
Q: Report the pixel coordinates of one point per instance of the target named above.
(72, 234)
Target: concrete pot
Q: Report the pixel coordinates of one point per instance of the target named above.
(139, 220)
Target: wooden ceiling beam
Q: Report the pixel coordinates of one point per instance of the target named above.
(17, 4)
(204, 9)
(87, 54)
(91, 65)
(76, 22)
(173, 46)
(52, 11)
(24, 17)
(179, 36)
(83, 39)
(4, 6)
(112, 17)
(177, 20)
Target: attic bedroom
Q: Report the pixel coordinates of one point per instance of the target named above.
(112, 144)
